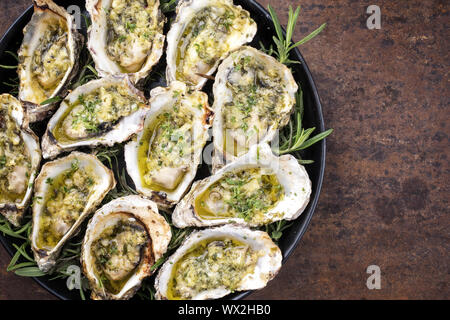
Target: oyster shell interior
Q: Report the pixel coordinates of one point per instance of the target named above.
(67, 190)
(20, 157)
(126, 36)
(254, 95)
(123, 240)
(256, 189)
(215, 262)
(48, 57)
(203, 34)
(105, 111)
(163, 160)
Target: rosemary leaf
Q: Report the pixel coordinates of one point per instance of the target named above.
(51, 100)
(7, 67)
(29, 272)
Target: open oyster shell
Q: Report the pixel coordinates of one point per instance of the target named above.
(254, 96)
(123, 240)
(257, 189)
(203, 34)
(20, 157)
(215, 262)
(48, 58)
(102, 112)
(163, 159)
(66, 191)
(126, 36)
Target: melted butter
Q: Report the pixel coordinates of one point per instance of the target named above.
(209, 264)
(166, 149)
(246, 194)
(65, 200)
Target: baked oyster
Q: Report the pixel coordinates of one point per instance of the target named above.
(257, 189)
(102, 112)
(66, 191)
(20, 157)
(254, 96)
(123, 240)
(48, 58)
(203, 34)
(163, 159)
(213, 263)
(126, 36)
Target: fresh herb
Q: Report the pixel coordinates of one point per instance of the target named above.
(111, 158)
(276, 229)
(168, 6)
(294, 137)
(51, 100)
(284, 44)
(2, 161)
(130, 26)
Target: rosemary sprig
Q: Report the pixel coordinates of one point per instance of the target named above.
(276, 229)
(110, 157)
(294, 137)
(284, 44)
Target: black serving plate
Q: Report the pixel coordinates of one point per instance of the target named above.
(313, 118)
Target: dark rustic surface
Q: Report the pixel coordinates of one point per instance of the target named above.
(385, 196)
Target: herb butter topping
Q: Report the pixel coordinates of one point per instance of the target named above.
(256, 97)
(66, 198)
(211, 264)
(50, 60)
(207, 37)
(131, 30)
(166, 149)
(118, 252)
(96, 112)
(246, 194)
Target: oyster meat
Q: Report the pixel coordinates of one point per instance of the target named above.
(123, 240)
(126, 36)
(48, 58)
(203, 34)
(212, 263)
(66, 191)
(163, 160)
(257, 189)
(20, 157)
(102, 112)
(254, 96)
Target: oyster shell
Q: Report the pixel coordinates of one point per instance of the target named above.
(163, 160)
(257, 189)
(66, 191)
(254, 96)
(203, 34)
(130, 235)
(20, 157)
(218, 261)
(102, 112)
(48, 58)
(126, 36)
